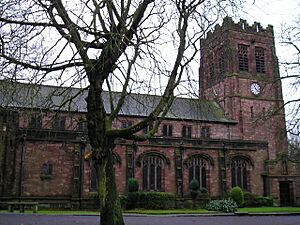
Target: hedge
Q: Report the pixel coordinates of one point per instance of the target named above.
(252, 200)
(133, 185)
(150, 200)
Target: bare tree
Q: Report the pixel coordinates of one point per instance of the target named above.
(291, 65)
(294, 148)
(112, 45)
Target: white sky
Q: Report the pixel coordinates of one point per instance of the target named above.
(272, 12)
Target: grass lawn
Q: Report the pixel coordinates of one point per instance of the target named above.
(204, 211)
(166, 212)
(269, 209)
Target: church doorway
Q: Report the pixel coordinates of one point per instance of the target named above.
(285, 193)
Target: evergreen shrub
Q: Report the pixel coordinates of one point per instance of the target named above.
(249, 199)
(264, 201)
(237, 195)
(133, 185)
(194, 189)
(194, 185)
(150, 200)
(203, 191)
(252, 200)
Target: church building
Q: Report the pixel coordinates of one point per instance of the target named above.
(234, 134)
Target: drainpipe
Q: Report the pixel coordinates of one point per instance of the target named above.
(223, 180)
(81, 167)
(181, 150)
(21, 167)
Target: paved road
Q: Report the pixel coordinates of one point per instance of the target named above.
(30, 219)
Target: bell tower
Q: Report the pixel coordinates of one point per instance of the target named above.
(239, 70)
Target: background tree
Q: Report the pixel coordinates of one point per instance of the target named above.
(294, 148)
(291, 74)
(111, 45)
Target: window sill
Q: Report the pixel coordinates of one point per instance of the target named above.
(46, 177)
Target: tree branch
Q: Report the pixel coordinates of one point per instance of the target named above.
(46, 68)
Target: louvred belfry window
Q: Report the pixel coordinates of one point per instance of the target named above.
(221, 63)
(243, 57)
(211, 67)
(260, 60)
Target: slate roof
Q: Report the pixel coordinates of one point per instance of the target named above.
(20, 95)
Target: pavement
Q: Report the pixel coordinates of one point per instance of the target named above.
(138, 219)
(179, 214)
(213, 214)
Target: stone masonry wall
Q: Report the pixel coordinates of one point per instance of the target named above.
(60, 156)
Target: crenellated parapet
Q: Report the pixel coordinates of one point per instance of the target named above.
(241, 26)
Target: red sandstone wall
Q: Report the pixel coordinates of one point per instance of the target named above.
(62, 159)
(60, 156)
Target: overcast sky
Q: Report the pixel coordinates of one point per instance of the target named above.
(272, 12)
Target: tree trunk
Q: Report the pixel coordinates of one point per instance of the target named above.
(110, 207)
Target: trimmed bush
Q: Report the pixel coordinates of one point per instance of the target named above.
(203, 191)
(194, 190)
(264, 201)
(150, 200)
(224, 205)
(252, 200)
(157, 200)
(194, 185)
(133, 185)
(249, 199)
(133, 199)
(237, 195)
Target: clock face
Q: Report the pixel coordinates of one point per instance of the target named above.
(255, 88)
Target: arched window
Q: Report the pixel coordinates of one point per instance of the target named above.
(94, 179)
(198, 169)
(152, 173)
(239, 172)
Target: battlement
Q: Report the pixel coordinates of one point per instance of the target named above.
(241, 26)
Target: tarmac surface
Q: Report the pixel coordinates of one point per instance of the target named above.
(36, 219)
